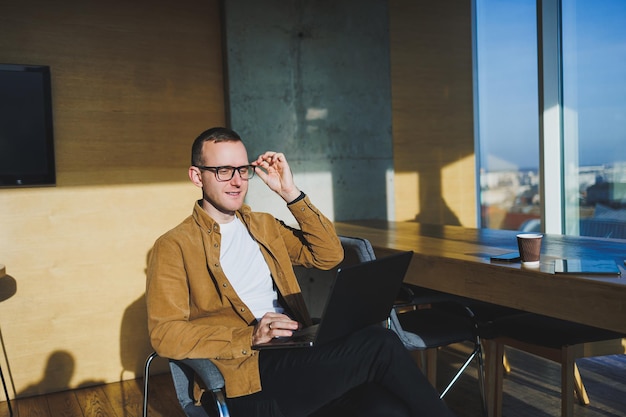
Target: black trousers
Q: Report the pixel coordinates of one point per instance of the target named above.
(368, 373)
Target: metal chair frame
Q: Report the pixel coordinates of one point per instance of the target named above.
(6, 393)
(407, 335)
(217, 391)
(364, 252)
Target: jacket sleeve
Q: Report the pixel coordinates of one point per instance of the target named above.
(216, 334)
(316, 244)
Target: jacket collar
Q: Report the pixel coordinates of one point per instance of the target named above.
(207, 222)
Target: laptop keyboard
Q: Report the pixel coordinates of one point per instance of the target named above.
(304, 335)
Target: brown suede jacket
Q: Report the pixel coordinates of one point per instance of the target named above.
(193, 311)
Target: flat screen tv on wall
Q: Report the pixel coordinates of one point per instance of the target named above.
(26, 134)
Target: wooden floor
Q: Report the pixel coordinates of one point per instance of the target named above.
(532, 389)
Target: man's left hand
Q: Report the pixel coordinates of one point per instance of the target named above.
(275, 172)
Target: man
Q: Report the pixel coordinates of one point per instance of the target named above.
(222, 281)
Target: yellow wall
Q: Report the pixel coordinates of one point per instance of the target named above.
(431, 82)
(133, 83)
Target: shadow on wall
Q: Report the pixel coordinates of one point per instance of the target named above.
(134, 342)
(134, 348)
(444, 216)
(433, 206)
(57, 375)
(134, 338)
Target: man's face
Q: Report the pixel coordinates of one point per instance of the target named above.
(221, 198)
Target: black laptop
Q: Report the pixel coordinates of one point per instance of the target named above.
(361, 295)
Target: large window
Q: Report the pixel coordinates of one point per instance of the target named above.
(551, 115)
(594, 128)
(508, 131)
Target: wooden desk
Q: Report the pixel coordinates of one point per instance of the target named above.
(456, 260)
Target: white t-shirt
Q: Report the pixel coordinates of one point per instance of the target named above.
(246, 269)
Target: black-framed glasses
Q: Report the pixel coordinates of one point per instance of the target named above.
(227, 173)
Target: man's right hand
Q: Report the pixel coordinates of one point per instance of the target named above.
(273, 325)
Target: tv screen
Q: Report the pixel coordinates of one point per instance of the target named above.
(26, 135)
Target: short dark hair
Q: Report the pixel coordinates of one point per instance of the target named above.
(215, 134)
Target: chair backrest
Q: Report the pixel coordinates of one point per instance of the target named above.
(410, 340)
(356, 250)
(316, 284)
(360, 250)
(183, 378)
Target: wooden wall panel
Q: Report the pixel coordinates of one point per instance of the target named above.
(431, 75)
(133, 84)
(132, 81)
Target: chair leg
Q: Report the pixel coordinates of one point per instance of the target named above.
(567, 382)
(431, 366)
(481, 379)
(220, 401)
(494, 379)
(475, 352)
(490, 365)
(146, 374)
(581, 392)
(6, 393)
(506, 364)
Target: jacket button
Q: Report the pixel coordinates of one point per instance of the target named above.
(225, 285)
(245, 352)
(216, 245)
(242, 309)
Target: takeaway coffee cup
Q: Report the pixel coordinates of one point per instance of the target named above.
(529, 245)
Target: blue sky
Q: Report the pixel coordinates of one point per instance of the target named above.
(594, 44)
